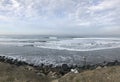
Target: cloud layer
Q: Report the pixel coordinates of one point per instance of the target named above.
(59, 16)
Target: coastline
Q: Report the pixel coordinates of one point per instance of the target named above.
(95, 59)
(61, 69)
(45, 73)
(58, 57)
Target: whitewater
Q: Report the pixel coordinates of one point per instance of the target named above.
(58, 50)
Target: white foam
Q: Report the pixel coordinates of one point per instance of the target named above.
(82, 44)
(73, 44)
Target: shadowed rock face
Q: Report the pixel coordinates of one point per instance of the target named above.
(65, 67)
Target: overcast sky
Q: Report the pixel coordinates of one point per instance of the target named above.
(82, 17)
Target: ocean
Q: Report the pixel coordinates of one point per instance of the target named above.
(57, 50)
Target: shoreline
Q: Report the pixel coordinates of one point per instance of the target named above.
(58, 70)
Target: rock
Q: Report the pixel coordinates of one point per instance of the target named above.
(99, 67)
(113, 63)
(74, 71)
(53, 75)
(105, 67)
(55, 80)
(65, 67)
(29, 68)
(41, 74)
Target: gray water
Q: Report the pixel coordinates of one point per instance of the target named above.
(26, 48)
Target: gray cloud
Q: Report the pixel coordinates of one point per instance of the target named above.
(75, 14)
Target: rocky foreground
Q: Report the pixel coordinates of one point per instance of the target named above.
(12, 70)
(106, 74)
(13, 73)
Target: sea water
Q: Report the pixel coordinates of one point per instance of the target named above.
(57, 50)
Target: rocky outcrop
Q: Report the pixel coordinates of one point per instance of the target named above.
(57, 71)
(12, 61)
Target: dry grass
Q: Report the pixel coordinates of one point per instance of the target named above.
(12, 73)
(109, 74)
